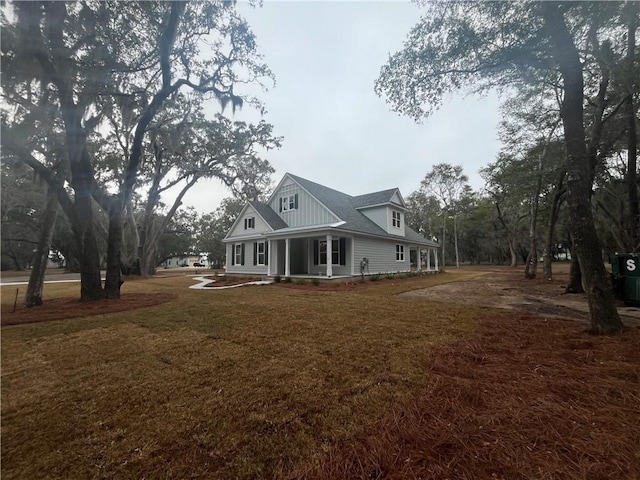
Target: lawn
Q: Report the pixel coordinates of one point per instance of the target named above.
(284, 382)
(241, 383)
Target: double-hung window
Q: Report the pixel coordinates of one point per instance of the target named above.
(249, 223)
(399, 253)
(260, 253)
(338, 252)
(237, 254)
(289, 202)
(396, 219)
(335, 252)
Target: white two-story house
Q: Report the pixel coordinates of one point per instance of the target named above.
(309, 229)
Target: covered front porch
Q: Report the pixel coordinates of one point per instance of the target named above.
(340, 255)
(328, 256)
(424, 258)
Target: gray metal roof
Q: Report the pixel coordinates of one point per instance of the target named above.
(345, 207)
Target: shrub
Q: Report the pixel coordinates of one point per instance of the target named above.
(388, 275)
(315, 281)
(301, 281)
(277, 279)
(287, 280)
(375, 277)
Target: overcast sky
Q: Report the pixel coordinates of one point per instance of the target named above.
(326, 57)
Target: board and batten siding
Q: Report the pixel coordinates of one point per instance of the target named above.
(260, 225)
(381, 255)
(248, 267)
(309, 212)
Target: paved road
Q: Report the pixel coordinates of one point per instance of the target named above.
(58, 277)
(49, 278)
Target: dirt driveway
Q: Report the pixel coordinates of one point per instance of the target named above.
(506, 288)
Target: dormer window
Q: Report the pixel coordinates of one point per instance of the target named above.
(396, 219)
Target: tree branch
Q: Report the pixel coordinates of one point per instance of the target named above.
(9, 142)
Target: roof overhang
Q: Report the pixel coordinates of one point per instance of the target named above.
(287, 232)
(384, 204)
(396, 238)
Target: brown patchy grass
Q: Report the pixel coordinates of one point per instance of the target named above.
(271, 382)
(239, 383)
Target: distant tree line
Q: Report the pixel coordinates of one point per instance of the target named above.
(570, 70)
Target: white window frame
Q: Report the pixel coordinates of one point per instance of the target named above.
(261, 253)
(399, 252)
(335, 252)
(237, 253)
(288, 203)
(396, 219)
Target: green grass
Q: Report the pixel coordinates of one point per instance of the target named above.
(237, 383)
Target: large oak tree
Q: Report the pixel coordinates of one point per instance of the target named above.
(481, 45)
(87, 59)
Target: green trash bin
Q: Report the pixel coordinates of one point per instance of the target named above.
(625, 273)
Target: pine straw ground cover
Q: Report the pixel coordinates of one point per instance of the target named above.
(271, 382)
(525, 398)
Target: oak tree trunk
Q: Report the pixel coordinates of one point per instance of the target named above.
(531, 268)
(551, 225)
(513, 253)
(575, 276)
(36, 278)
(82, 175)
(90, 281)
(113, 279)
(603, 315)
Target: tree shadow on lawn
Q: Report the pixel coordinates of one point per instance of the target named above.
(71, 307)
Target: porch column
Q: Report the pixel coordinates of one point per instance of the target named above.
(419, 262)
(353, 256)
(276, 257)
(428, 259)
(287, 260)
(269, 262)
(329, 256)
(435, 254)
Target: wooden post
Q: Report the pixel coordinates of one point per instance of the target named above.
(15, 302)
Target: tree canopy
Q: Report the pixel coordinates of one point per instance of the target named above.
(566, 46)
(94, 78)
